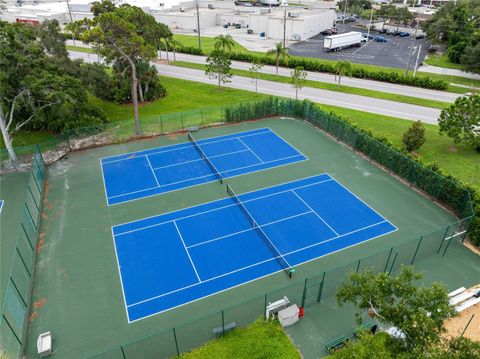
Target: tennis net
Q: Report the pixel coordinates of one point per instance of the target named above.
(278, 256)
(204, 157)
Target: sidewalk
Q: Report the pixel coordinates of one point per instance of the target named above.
(451, 72)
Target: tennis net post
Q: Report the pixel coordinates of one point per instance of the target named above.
(204, 157)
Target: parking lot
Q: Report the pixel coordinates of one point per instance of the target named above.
(393, 53)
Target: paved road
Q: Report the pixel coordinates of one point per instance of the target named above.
(362, 103)
(353, 82)
(451, 72)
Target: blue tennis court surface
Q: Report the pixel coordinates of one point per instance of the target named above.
(1, 205)
(175, 258)
(146, 173)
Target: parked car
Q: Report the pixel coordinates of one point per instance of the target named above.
(420, 36)
(380, 39)
(396, 33)
(331, 31)
(369, 36)
(403, 34)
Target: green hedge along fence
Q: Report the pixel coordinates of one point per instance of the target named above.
(317, 66)
(447, 190)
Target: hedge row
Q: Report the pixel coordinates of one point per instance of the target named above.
(427, 177)
(317, 66)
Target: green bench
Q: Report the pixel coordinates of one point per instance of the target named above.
(336, 343)
(370, 327)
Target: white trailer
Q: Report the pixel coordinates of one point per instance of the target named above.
(341, 41)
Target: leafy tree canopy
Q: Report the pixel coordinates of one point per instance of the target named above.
(419, 312)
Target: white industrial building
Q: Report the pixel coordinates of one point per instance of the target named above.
(268, 22)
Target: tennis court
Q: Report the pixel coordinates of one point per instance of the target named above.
(146, 173)
(179, 257)
(1, 205)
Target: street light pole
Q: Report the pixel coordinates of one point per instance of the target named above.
(198, 25)
(370, 24)
(285, 4)
(411, 51)
(71, 20)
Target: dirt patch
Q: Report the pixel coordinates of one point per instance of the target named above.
(172, 136)
(32, 316)
(39, 303)
(452, 148)
(456, 325)
(40, 245)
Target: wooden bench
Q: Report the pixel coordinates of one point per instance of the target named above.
(219, 331)
(336, 343)
(192, 129)
(370, 327)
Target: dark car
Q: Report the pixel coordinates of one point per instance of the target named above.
(331, 31)
(396, 33)
(420, 36)
(404, 34)
(380, 39)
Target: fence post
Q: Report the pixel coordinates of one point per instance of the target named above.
(201, 117)
(443, 238)
(223, 324)
(68, 142)
(265, 308)
(466, 327)
(123, 352)
(393, 263)
(304, 295)
(320, 290)
(176, 341)
(446, 247)
(30, 216)
(181, 120)
(416, 250)
(358, 265)
(40, 151)
(388, 259)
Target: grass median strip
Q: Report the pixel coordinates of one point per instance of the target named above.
(332, 87)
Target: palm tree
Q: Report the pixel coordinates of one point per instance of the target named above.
(341, 68)
(223, 42)
(281, 53)
(175, 44)
(166, 41)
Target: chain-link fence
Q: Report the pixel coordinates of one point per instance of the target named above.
(59, 145)
(17, 298)
(305, 293)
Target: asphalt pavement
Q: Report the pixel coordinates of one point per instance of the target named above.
(362, 103)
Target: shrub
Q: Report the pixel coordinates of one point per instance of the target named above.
(414, 137)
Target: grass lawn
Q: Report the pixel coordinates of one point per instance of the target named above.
(441, 61)
(333, 87)
(207, 47)
(258, 340)
(462, 162)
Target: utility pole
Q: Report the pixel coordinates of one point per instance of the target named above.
(416, 62)
(344, 11)
(198, 25)
(411, 51)
(370, 24)
(285, 4)
(71, 20)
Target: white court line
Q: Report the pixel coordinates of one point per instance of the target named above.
(250, 149)
(188, 253)
(186, 145)
(258, 263)
(213, 209)
(212, 174)
(253, 280)
(320, 217)
(153, 172)
(120, 275)
(213, 180)
(249, 229)
(200, 159)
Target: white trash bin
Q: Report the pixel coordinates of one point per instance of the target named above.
(44, 344)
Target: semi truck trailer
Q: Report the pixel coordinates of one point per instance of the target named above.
(341, 41)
